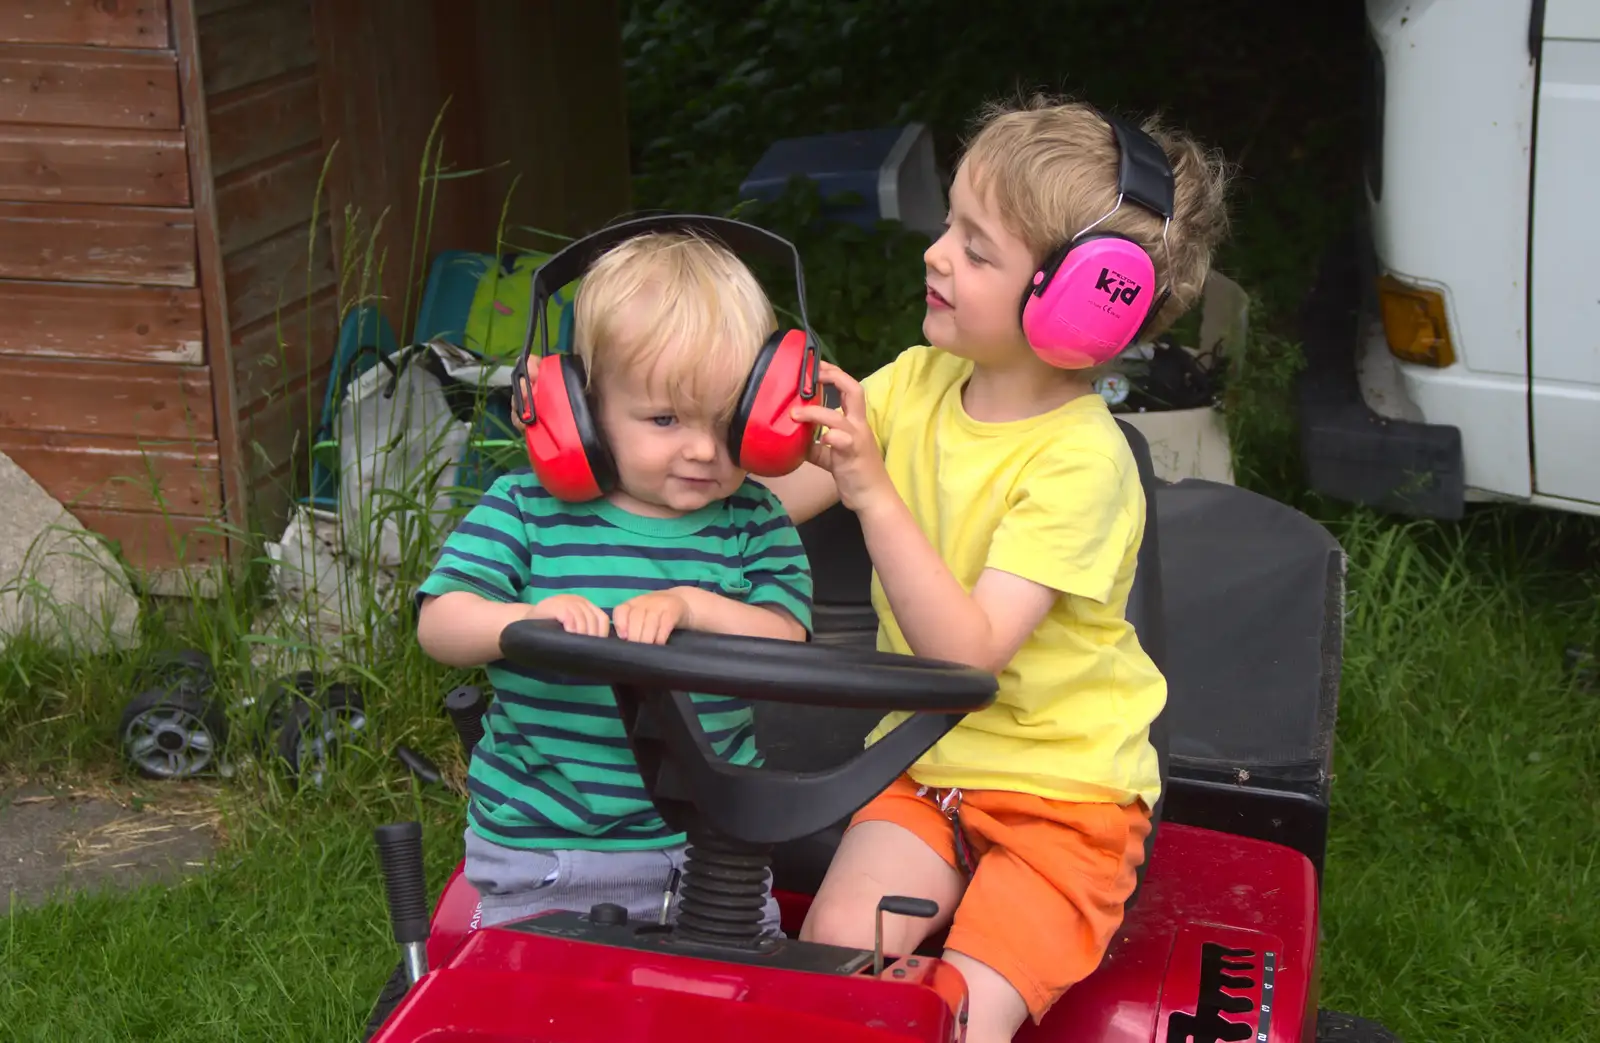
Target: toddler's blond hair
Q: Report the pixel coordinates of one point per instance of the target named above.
(681, 307)
(1051, 166)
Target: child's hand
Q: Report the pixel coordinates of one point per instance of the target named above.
(575, 614)
(848, 449)
(651, 618)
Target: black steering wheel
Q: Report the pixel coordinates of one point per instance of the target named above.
(755, 668)
(695, 790)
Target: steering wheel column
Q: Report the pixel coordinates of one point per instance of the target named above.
(733, 814)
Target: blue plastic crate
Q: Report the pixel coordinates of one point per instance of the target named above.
(891, 169)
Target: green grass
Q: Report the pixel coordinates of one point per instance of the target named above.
(285, 939)
(1461, 886)
(1462, 890)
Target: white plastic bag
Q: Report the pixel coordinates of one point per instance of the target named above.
(399, 450)
(313, 578)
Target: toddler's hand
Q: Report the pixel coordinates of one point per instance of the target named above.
(650, 618)
(575, 614)
(848, 449)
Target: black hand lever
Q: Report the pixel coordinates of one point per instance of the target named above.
(900, 905)
(466, 706)
(405, 880)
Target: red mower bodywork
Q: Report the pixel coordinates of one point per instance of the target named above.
(1239, 600)
(1221, 945)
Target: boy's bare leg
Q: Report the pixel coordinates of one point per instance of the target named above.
(995, 1010)
(876, 859)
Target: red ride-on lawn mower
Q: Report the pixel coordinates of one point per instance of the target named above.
(1239, 600)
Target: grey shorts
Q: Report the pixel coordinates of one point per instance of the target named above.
(513, 884)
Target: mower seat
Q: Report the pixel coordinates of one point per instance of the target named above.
(798, 738)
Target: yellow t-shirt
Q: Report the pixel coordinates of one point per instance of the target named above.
(1055, 499)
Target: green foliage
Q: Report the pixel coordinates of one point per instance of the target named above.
(1258, 405)
(711, 84)
(864, 287)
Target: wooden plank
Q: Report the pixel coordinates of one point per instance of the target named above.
(205, 7)
(258, 202)
(277, 438)
(108, 323)
(120, 473)
(156, 542)
(381, 90)
(98, 23)
(570, 51)
(281, 422)
(97, 244)
(270, 501)
(279, 352)
(255, 41)
(384, 78)
(56, 164)
(208, 250)
(106, 398)
(276, 115)
(270, 277)
(87, 87)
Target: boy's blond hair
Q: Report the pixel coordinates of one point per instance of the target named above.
(680, 307)
(1051, 166)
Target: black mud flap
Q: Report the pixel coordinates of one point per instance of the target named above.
(1351, 453)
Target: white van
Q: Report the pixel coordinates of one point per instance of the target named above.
(1454, 354)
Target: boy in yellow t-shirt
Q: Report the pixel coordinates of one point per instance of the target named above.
(1003, 512)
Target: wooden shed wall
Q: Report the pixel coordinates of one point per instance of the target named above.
(258, 63)
(105, 389)
(348, 91)
(531, 91)
(168, 271)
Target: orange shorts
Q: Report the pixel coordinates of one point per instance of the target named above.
(1051, 881)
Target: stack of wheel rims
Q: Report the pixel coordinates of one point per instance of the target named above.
(178, 724)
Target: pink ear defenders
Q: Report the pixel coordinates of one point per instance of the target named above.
(1093, 295)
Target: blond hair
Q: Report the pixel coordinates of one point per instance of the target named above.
(680, 307)
(1051, 166)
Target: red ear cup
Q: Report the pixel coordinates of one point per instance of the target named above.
(763, 438)
(564, 443)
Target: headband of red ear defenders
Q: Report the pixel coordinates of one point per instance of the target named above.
(572, 260)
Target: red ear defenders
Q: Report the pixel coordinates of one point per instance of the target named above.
(1095, 294)
(566, 448)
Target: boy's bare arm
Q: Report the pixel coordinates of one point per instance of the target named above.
(804, 493)
(462, 629)
(651, 618)
(938, 617)
(716, 614)
(983, 629)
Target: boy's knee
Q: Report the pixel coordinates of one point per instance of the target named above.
(851, 921)
(996, 1008)
(837, 922)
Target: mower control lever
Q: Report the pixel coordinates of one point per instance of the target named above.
(405, 880)
(900, 905)
(466, 705)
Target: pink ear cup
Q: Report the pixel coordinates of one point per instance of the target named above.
(1094, 304)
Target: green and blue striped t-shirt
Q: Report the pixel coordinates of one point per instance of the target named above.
(554, 769)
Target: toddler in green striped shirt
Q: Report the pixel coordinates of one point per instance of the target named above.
(667, 325)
